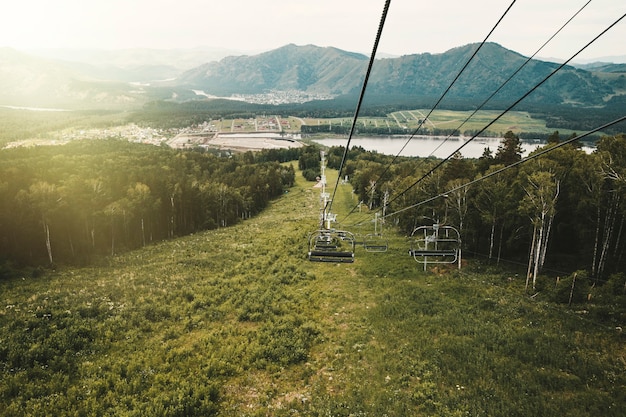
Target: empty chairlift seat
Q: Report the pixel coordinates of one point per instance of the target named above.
(331, 246)
(375, 243)
(435, 244)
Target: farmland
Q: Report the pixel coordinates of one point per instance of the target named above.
(33, 128)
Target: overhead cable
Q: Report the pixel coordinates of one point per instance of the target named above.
(358, 107)
(436, 104)
(508, 109)
(521, 161)
(512, 75)
(449, 88)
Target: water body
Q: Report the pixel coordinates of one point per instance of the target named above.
(425, 146)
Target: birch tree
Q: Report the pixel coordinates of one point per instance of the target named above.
(494, 201)
(143, 205)
(612, 155)
(44, 198)
(539, 204)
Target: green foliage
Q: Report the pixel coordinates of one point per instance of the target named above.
(235, 321)
(73, 203)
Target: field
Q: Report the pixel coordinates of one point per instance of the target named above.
(29, 128)
(441, 119)
(237, 322)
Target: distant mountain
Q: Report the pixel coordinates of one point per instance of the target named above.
(137, 64)
(305, 68)
(330, 70)
(98, 79)
(429, 75)
(26, 80)
(607, 67)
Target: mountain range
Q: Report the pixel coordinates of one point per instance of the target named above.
(130, 78)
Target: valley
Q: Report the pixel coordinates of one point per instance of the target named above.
(237, 322)
(274, 131)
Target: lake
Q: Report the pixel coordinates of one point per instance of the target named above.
(425, 146)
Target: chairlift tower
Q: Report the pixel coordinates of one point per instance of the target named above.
(326, 218)
(328, 244)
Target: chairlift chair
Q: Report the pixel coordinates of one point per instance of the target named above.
(375, 242)
(435, 244)
(329, 245)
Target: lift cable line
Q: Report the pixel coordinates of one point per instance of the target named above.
(436, 104)
(512, 76)
(509, 109)
(328, 244)
(486, 101)
(358, 107)
(521, 161)
(421, 123)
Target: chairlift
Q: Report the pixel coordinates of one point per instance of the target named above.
(375, 242)
(329, 245)
(436, 244)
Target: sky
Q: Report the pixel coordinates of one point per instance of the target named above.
(252, 26)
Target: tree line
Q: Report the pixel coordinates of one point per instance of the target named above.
(68, 204)
(564, 210)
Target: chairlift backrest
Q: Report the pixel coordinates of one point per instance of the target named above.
(375, 243)
(435, 244)
(330, 245)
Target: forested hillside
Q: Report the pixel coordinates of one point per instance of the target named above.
(67, 204)
(564, 210)
(237, 322)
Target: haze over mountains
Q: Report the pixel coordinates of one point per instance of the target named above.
(130, 78)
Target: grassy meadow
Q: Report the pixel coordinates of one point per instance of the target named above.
(515, 121)
(237, 322)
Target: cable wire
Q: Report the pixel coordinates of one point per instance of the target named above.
(509, 109)
(434, 107)
(358, 107)
(512, 76)
(521, 161)
(449, 88)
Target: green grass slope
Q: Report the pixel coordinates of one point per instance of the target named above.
(237, 322)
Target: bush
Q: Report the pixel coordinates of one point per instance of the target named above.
(311, 174)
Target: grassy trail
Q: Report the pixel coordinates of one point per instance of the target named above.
(237, 322)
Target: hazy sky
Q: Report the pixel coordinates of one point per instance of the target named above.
(412, 26)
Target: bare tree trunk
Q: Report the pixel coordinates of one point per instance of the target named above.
(571, 291)
(596, 244)
(617, 252)
(143, 233)
(72, 246)
(546, 226)
(544, 244)
(609, 223)
(531, 257)
(46, 230)
(538, 250)
(171, 228)
(491, 238)
(500, 243)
